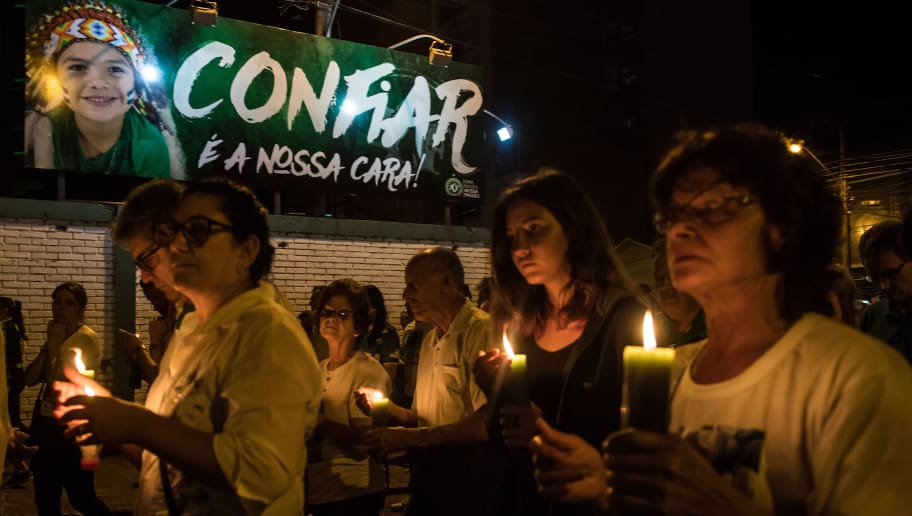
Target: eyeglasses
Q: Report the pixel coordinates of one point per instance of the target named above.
(714, 208)
(888, 275)
(342, 315)
(148, 259)
(196, 230)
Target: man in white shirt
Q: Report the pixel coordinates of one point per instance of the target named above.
(454, 472)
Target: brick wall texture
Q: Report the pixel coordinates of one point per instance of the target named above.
(36, 255)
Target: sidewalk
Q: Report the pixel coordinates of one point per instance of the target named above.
(115, 484)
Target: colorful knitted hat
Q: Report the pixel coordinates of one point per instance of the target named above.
(87, 20)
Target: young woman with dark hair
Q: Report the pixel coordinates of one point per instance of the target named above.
(564, 300)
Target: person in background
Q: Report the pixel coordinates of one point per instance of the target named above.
(408, 356)
(485, 289)
(381, 341)
(782, 410)
(679, 318)
(145, 361)
(887, 266)
(565, 301)
(843, 295)
(147, 206)
(14, 332)
(446, 435)
(309, 320)
(13, 329)
(56, 464)
(209, 428)
(341, 478)
(14, 446)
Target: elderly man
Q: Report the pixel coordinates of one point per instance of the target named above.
(887, 267)
(453, 470)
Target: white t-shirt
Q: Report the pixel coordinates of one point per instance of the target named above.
(339, 475)
(445, 390)
(820, 424)
(86, 340)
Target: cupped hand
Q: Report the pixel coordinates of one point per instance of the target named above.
(567, 468)
(91, 414)
(486, 368)
(653, 473)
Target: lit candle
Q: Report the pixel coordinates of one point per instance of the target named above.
(647, 376)
(90, 452)
(380, 409)
(515, 390)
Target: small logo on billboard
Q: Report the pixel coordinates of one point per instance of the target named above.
(453, 187)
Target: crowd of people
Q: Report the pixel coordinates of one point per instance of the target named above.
(779, 402)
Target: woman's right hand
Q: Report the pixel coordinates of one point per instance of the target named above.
(90, 413)
(487, 367)
(567, 468)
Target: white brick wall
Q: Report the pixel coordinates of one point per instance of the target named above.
(36, 255)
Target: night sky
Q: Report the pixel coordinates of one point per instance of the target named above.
(598, 88)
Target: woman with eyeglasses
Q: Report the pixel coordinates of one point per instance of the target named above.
(341, 478)
(225, 423)
(781, 410)
(56, 464)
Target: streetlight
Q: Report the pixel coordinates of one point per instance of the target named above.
(506, 130)
(798, 147)
(439, 53)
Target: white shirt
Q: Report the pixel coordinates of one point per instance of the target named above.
(820, 424)
(249, 376)
(445, 390)
(339, 475)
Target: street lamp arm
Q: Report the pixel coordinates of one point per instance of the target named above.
(815, 158)
(495, 117)
(406, 41)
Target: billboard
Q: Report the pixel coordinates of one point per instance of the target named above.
(129, 87)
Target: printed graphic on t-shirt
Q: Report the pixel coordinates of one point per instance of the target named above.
(736, 454)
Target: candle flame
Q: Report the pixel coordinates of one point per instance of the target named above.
(378, 395)
(649, 339)
(508, 349)
(80, 366)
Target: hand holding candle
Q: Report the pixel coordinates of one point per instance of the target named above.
(90, 452)
(647, 377)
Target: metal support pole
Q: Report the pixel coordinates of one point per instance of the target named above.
(844, 197)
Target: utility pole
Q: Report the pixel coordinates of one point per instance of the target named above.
(321, 17)
(844, 197)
